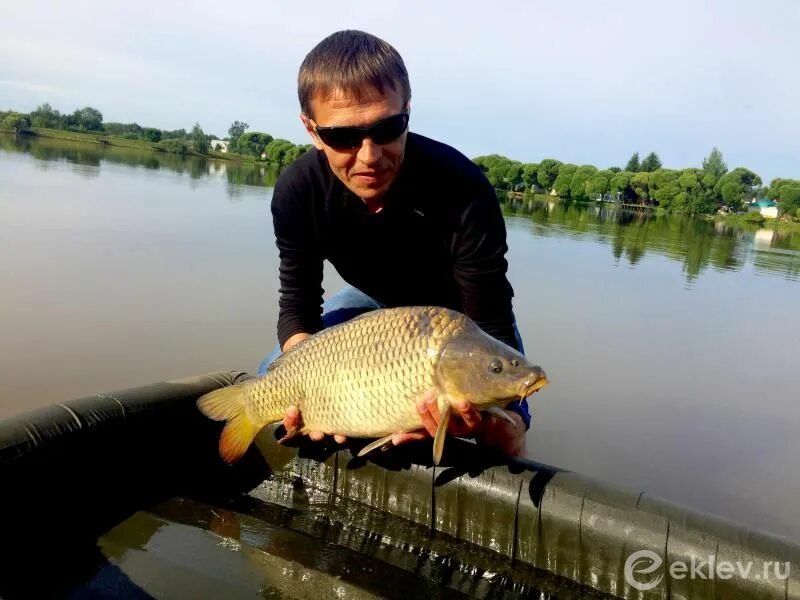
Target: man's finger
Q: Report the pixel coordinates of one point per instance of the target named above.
(428, 421)
(409, 436)
(468, 414)
(291, 419)
(317, 436)
(339, 439)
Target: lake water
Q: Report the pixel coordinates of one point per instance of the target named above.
(672, 344)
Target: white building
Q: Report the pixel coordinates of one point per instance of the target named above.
(219, 145)
(767, 208)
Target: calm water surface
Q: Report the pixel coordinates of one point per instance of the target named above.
(672, 344)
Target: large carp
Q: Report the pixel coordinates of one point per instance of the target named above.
(363, 378)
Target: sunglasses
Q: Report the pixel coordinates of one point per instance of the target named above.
(348, 138)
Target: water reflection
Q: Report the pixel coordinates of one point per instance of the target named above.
(696, 243)
(143, 274)
(87, 160)
(631, 234)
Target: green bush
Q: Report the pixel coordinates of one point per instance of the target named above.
(753, 217)
(173, 146)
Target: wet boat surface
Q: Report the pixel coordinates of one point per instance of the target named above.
(124, 494)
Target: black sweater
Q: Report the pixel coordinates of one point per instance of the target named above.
(440, 239)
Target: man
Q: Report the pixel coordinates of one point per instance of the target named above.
(404, 219)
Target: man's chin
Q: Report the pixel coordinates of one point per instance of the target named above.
(368, 192)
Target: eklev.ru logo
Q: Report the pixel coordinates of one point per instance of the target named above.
(642, 566)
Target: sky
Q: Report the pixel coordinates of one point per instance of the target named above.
(581, 81)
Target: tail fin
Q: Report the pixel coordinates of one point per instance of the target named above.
(228, 404)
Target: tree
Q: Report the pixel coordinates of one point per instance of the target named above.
(665, 189)
(714, 164)
(577, 187)
(173, 146)
(504, 173)
(599, 183)
(790, 199)
(737, 186)
(621, 182)
(151, 134)
(236, 130)
(651, 163)
(700, 198)
(199, 139)
(178, 134)
(252, 143)
(547, 172)
(513, 175)
(562, 183)
(777, 185)
(16, 121)
(128, 130)
(45, 116)
(640, 183)
(688, 179)
(633, 163)
(276, 150)
(529, 174)
(294, 153)
(88, 119)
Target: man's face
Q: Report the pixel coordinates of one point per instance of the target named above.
(369, 170)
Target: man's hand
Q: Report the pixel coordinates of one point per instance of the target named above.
(466, 421)
(293, 422)
(507, 437)
(294, 340)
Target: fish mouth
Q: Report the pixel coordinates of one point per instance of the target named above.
(534, 383)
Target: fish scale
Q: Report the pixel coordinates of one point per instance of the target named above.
(356, 376)
(364, 377)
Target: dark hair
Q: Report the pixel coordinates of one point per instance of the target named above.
(351, 61)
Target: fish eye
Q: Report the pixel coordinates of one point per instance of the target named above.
(514, 362)
(496, 366)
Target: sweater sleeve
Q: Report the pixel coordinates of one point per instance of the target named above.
(480, 269)
(300, 271)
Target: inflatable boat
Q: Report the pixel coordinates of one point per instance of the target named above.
(124, 495)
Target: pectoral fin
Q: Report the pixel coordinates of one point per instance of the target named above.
(500, 414)
(376, 444)
(441, 434)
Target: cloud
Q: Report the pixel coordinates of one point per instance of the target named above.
(578, 80)
(32, 86)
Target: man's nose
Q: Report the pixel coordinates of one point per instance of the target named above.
(370, 152)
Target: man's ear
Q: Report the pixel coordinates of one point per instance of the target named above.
(310, 129)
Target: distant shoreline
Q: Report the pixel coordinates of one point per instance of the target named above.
(101, 139)
(738, 220)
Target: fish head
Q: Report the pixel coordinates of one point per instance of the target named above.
(486, 372)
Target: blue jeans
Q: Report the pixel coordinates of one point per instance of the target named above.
(351, 302)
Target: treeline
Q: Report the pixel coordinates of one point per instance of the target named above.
(694, 191)
(695, 243)
(260, 146)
